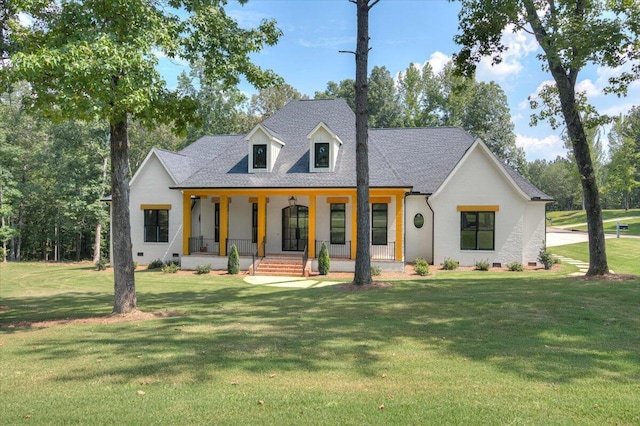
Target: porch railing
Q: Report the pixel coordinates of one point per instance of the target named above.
(335, 250)
(203, 245)
(387, 252)
(245, 247)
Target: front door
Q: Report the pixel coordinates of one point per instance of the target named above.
(295, 228)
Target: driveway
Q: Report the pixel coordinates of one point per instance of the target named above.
(560, 237)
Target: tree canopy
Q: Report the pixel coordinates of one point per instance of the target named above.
(571, 34)
(98, 60)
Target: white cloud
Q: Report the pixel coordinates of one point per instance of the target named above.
(328, 42)
(589, 88)
(519, 45)
(438, 60)
(547, 148)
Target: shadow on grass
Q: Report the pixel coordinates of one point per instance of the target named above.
(553, 330)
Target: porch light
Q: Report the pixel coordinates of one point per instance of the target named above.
(292, 201)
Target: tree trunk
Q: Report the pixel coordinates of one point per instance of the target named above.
(123, 271)
(565, 80)
(362, 273)
(97, 242)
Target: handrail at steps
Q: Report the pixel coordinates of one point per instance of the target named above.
(305, 257)
(255, 255)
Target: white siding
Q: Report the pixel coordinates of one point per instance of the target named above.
(419, 242)
(534, 231)
(152, 187)
(478, 181)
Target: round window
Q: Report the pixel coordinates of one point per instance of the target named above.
(418, 220)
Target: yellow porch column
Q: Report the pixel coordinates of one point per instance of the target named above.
(311, 236)
(262, 224)
(224, 223)
(354, 224)
(186, 222)
(399, 227)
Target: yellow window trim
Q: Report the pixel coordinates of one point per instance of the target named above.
(254, 200)
(338, 200)
(492, 208)
(380, 200)
(215, 200)
(155, 206)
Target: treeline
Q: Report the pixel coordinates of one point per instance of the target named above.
(54, 177)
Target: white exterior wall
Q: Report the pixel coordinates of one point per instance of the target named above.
(478, 181)
(151, 186)
(534, 231)
(418, 242)
(239, 218)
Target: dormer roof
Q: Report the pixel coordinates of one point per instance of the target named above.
(322, 125)
(272, 135)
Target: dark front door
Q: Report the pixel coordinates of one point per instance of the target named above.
(295, 228)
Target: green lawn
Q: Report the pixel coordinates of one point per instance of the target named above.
(622, 254)
(610, 227)
(580, 216)
(472, 348)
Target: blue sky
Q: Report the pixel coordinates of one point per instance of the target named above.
(404, 32)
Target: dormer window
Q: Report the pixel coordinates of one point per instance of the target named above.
(264, 147)
(322, 155)
(260, 156)
(324, 145)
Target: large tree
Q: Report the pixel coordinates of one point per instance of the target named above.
(362, 273)
(97, 59)
(571, 34)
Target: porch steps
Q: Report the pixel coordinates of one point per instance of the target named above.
(280, 266)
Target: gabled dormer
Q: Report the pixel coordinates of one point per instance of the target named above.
(264, 148)
(324, 145)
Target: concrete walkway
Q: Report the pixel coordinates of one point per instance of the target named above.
(287, 282)
(583, 267)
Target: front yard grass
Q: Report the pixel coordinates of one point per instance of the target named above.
(472, 348)
(622, 254)
(571, 217)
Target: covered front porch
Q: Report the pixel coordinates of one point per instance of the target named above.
(293, 221)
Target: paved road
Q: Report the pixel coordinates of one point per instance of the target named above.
(560, 237)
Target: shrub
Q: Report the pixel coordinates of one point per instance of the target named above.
(546, 258)
(421, 267)
(170, 268)
(482, 265)
(324, 263)
(376, 271)
(233, 264)
(102, 264)
(450, 264)
(203, 269)
(515, 267)
(135, 265)
(155, 264)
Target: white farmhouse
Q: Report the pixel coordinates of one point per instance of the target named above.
(290, 184)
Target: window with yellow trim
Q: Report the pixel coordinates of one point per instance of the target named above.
(477, 230)
(156, 226)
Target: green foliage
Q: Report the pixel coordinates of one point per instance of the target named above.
(450, 264)
(546, 258)
(482, 265)
(102, 264)
(233, 262)
(515, 267)
(203, 269)
(135, 264)
(324, 263)
(421, 267)
(155, 264)
(170, 268)
(375, 271)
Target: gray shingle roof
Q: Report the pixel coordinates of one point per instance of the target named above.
(418, 159)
